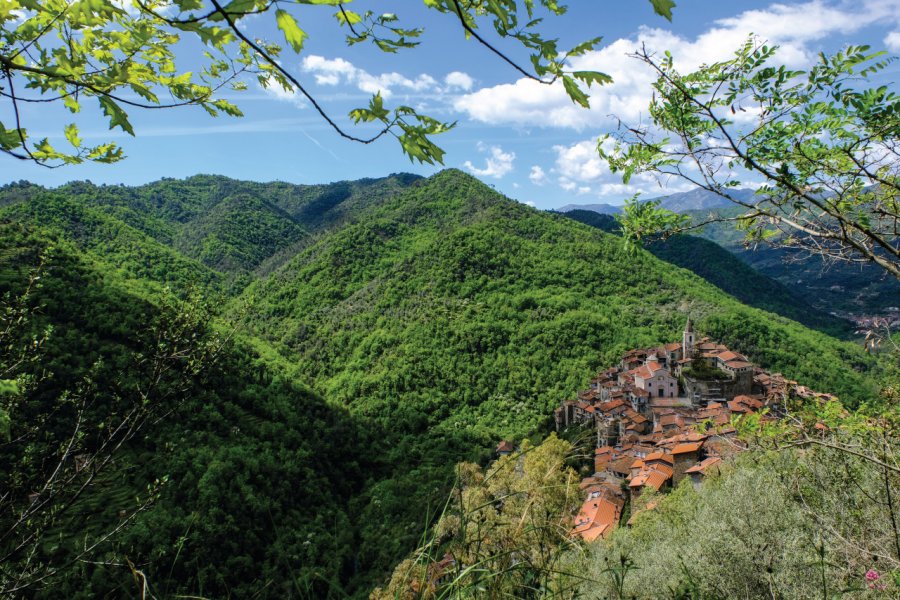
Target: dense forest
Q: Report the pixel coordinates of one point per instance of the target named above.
(820, 286)
(846, 288)
(369, 335)
(726, 271)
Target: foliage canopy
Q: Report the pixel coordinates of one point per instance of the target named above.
(824, 142)
(127, 54)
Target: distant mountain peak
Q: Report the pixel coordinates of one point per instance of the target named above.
(603, 209)
(696, 199)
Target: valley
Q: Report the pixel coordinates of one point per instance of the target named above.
(383, 330)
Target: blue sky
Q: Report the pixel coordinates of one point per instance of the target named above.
(527, 140)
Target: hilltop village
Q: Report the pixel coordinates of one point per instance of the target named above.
(662, 415)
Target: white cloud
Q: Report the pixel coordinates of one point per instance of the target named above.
(530, 203)
(579, 169)
(498, 163)
(459, 80)
(580, 162)
(892, 41)
(330, 71)
(793, 26)
(276, 91)
(336, 71)
(537, 175)
(524, 101)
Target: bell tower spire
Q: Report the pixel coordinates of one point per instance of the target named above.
(687, 340)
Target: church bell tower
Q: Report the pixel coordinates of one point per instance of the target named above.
(687, 340)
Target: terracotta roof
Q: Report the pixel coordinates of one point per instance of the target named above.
(701, 466)
(667, 420)
(687, 448)
(672, 346)
(658, 456)
(651, 478)
(638, 463)
(647, 371)
(739, 407)
(612, 404)
(752, 401)
(738, 364)
(622, 465)
(589, 481)
(643, 372)
(597, 517)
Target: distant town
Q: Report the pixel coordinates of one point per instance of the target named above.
(664, 414)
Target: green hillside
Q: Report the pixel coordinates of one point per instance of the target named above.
(404, 327)
(848, 288)
(228, 226)
(460, 317)
(242, 447)
(730, 274)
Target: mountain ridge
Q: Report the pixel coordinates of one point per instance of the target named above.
(444, 317)
(680, 202)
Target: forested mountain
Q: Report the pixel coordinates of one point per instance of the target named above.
(389, 328)
(848, 288)
(730, 274)
(681, 202)
(845, 288)
(232, 447)
(602, 209)
(228, 226)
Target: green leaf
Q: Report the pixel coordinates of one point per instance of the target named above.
(663, 7)
(72, 104)
(240, 6)
(71, 131)
(292, 32)
(228, 108)
(575, 93)
(117, 116)
(591, 77)
(347, 17)
(584, 47)
(9, 138)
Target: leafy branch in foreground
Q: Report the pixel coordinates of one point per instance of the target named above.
(502, 534)
(824, 142)
(130, 54)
